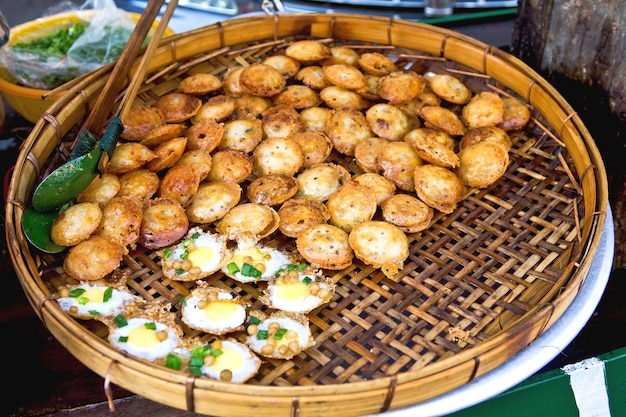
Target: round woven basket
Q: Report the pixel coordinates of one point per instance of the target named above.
(479, 285)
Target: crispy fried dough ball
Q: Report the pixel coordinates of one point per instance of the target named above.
(425, 98)
(366, 153)
(387, 121)
(380, 244)
(178, 107)
(516, 114)
(205, 135)
(200, 84)
(433, 146)
(397, 161)
(346, 128)
(322, 180)
(313, 77)
(278, 155)
(407, 212)
(342, 55)
(272, 189)
(308, 51)
(253, 219)
(370, 91)
(449, 88)
(261, 80)
(484, 109)
(345, 76)
(93, 259)
(199, 161)
(376, 63)
(231, 86)
(281, 121)
(325, 246)
(438, 187)
(162, 134)
(163, 223)
(129, 156)
(250, 106)
(482, 164)
(140, 184)
(444, 119)
(401, 86)
(213, 200)
(382, 187)
(180, 183)
(298, 96)
(351, 204)
(242, 135)
(316, 147)
(230, 166)
(486, 134)
(342, 98)
(314, 119)
(101, 190)
(298, 213)
(287, 65)
(167, 154)
(75, 224)
(121, 220)
(140, 120)
(216, 108)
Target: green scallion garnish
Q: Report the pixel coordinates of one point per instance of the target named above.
(250, 271)
(254, 320)
(83, 300)
(108, 293)
(280, 333)
(123, 339)
(261, 335)
(173, 362)
(120, 321)
(77, 292)
(150, 325)
(232, 268)
(307, 280)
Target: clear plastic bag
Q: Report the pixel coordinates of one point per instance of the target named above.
(80, 40)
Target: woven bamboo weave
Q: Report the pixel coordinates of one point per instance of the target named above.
(479, 285)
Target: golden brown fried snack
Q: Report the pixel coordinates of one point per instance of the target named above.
(482, 164)
(486, 134)
(435, 147)
(366, 153)
(449, 88)
(261, 80)
(298, 213)
(167, 154)
(376, 63)
(342, 55)
(342, 98)
(298, 96)
(199, 161)
(278, 155)
(272, 189)
(231, 86)
(381, 245)
(516, 114)
(75, 224)
(251, 107)
(438, 187)
(314, 119)
(322, 180)
(316, 147)
(93, 259)
(200, 84)
(101, 190)
(346, 128)
(230, 166)
(205, 135)
(444, 119)
(387, 121)
(370, 91)
(162, 134)
(351, 204)
(242, 135)
(313, 77)
(425, 98)
(180, 183)
(281, 121)
(163, 223)
(345, 76)
(121, 220)
(140, 120)
(129, 156)
(308, 51)
(484, 109)
(382, 187)
(325, 246)
(397, 161)
(213, 200)
(287, 65)
(178, 107)
(140, 184)
(216, 108)
(401, 86)
(407, 212)
(253, 219)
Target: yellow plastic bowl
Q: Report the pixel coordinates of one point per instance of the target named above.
(30, 103)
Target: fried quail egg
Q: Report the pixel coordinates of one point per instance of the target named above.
(88, 301)
(298, 291)
(197, 256)
(213, 310)
(252, 262)
(228, 360)
(281, 335)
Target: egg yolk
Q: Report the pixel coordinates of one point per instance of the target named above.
(201, 256)
(93, 294)
(292, 291)
(257, 255)
(229, 359)
(220, 310)
(143, 337)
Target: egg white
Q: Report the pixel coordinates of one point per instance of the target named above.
(91, 304)
(235, 357)
(297, 323)
(296, 297)
(272, 259)
(211, 318)
(152, 352)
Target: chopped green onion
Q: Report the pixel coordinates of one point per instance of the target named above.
(94, 312)
(83, 300)
(77, 292)
(184, 255)
(150, 325)
(250, 271)
(280, 333)
(254, 320)
(302, 266)
(108, 293)
(167, 253)
(195, 235)
(307, 280)
(120, 321)
(173, 362)
(196, 361)
(196, 370)
(123, 339)
(261, 335)
(216, 352)
(232, 268)
(180, 271)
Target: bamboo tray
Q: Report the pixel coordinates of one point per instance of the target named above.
(479, 285)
